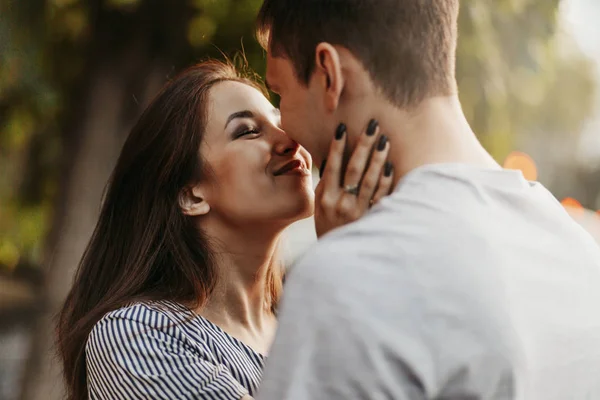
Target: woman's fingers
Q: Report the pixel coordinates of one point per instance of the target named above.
(385, 183)
(372, 179)
(366, 179)
(360, 157)
(332, 166)
(328, 190)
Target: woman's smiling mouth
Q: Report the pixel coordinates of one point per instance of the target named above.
(295, 166)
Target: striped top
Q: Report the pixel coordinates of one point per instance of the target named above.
(162, 350)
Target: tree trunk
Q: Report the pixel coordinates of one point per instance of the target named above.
(124, 73)
(102, 134)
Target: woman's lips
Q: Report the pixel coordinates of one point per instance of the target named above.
(293, 167)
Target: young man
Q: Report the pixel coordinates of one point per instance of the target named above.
(467, 282)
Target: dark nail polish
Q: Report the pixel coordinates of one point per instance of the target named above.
(382, 142)
(322, 169)
(339, 133)
(372, 127)
(388, 169)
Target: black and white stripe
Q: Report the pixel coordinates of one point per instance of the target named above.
(161, 350)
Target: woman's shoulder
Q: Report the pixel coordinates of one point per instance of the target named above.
(145, 347)
(152, 313)
(142, 317)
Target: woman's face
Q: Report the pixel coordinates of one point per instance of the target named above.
(258, 173)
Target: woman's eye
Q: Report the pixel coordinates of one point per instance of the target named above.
(246, 132)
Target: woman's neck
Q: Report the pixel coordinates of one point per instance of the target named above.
(240, 303)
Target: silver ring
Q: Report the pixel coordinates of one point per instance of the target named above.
(352, 189)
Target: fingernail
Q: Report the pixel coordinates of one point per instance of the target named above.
(382, 142)
(339, 133)
(388, 169)
(372, 127)
(322, 169)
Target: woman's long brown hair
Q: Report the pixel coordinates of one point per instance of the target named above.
(143, 246)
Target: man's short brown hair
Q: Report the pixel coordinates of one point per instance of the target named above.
(407, 46)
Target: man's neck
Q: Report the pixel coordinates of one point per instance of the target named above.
(434, 132)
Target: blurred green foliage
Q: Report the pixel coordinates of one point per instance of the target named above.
(512, 77)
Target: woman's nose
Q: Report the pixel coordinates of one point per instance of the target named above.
(284, 145)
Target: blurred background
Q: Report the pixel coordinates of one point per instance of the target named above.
(75, 74)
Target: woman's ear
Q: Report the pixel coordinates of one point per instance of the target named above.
(192, 202)
(329, 74)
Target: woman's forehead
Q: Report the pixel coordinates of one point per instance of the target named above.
(230, 96)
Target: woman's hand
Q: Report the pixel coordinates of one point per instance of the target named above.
(340, 200)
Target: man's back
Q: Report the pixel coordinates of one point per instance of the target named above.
(464, 283)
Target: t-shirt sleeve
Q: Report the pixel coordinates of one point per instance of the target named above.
(144, 356)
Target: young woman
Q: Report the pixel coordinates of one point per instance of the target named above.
(176, 294)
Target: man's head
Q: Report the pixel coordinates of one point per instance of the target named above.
(325, 54)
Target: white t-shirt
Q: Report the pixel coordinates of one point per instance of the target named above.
(465, 283)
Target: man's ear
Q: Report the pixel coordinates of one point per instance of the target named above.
(192, 201)
(328, 71)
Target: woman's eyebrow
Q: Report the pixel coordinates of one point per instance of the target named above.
(239, 114)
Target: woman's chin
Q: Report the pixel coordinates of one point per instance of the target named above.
(307, 213)
(303, 207)
(308, 206)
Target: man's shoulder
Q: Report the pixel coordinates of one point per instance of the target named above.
(393, 233)
(364, 251)
(349, 244)
(389, 249)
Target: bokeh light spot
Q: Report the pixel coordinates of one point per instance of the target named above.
(201, 30)
(573, 206)
(9, 254)
(522, 162)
